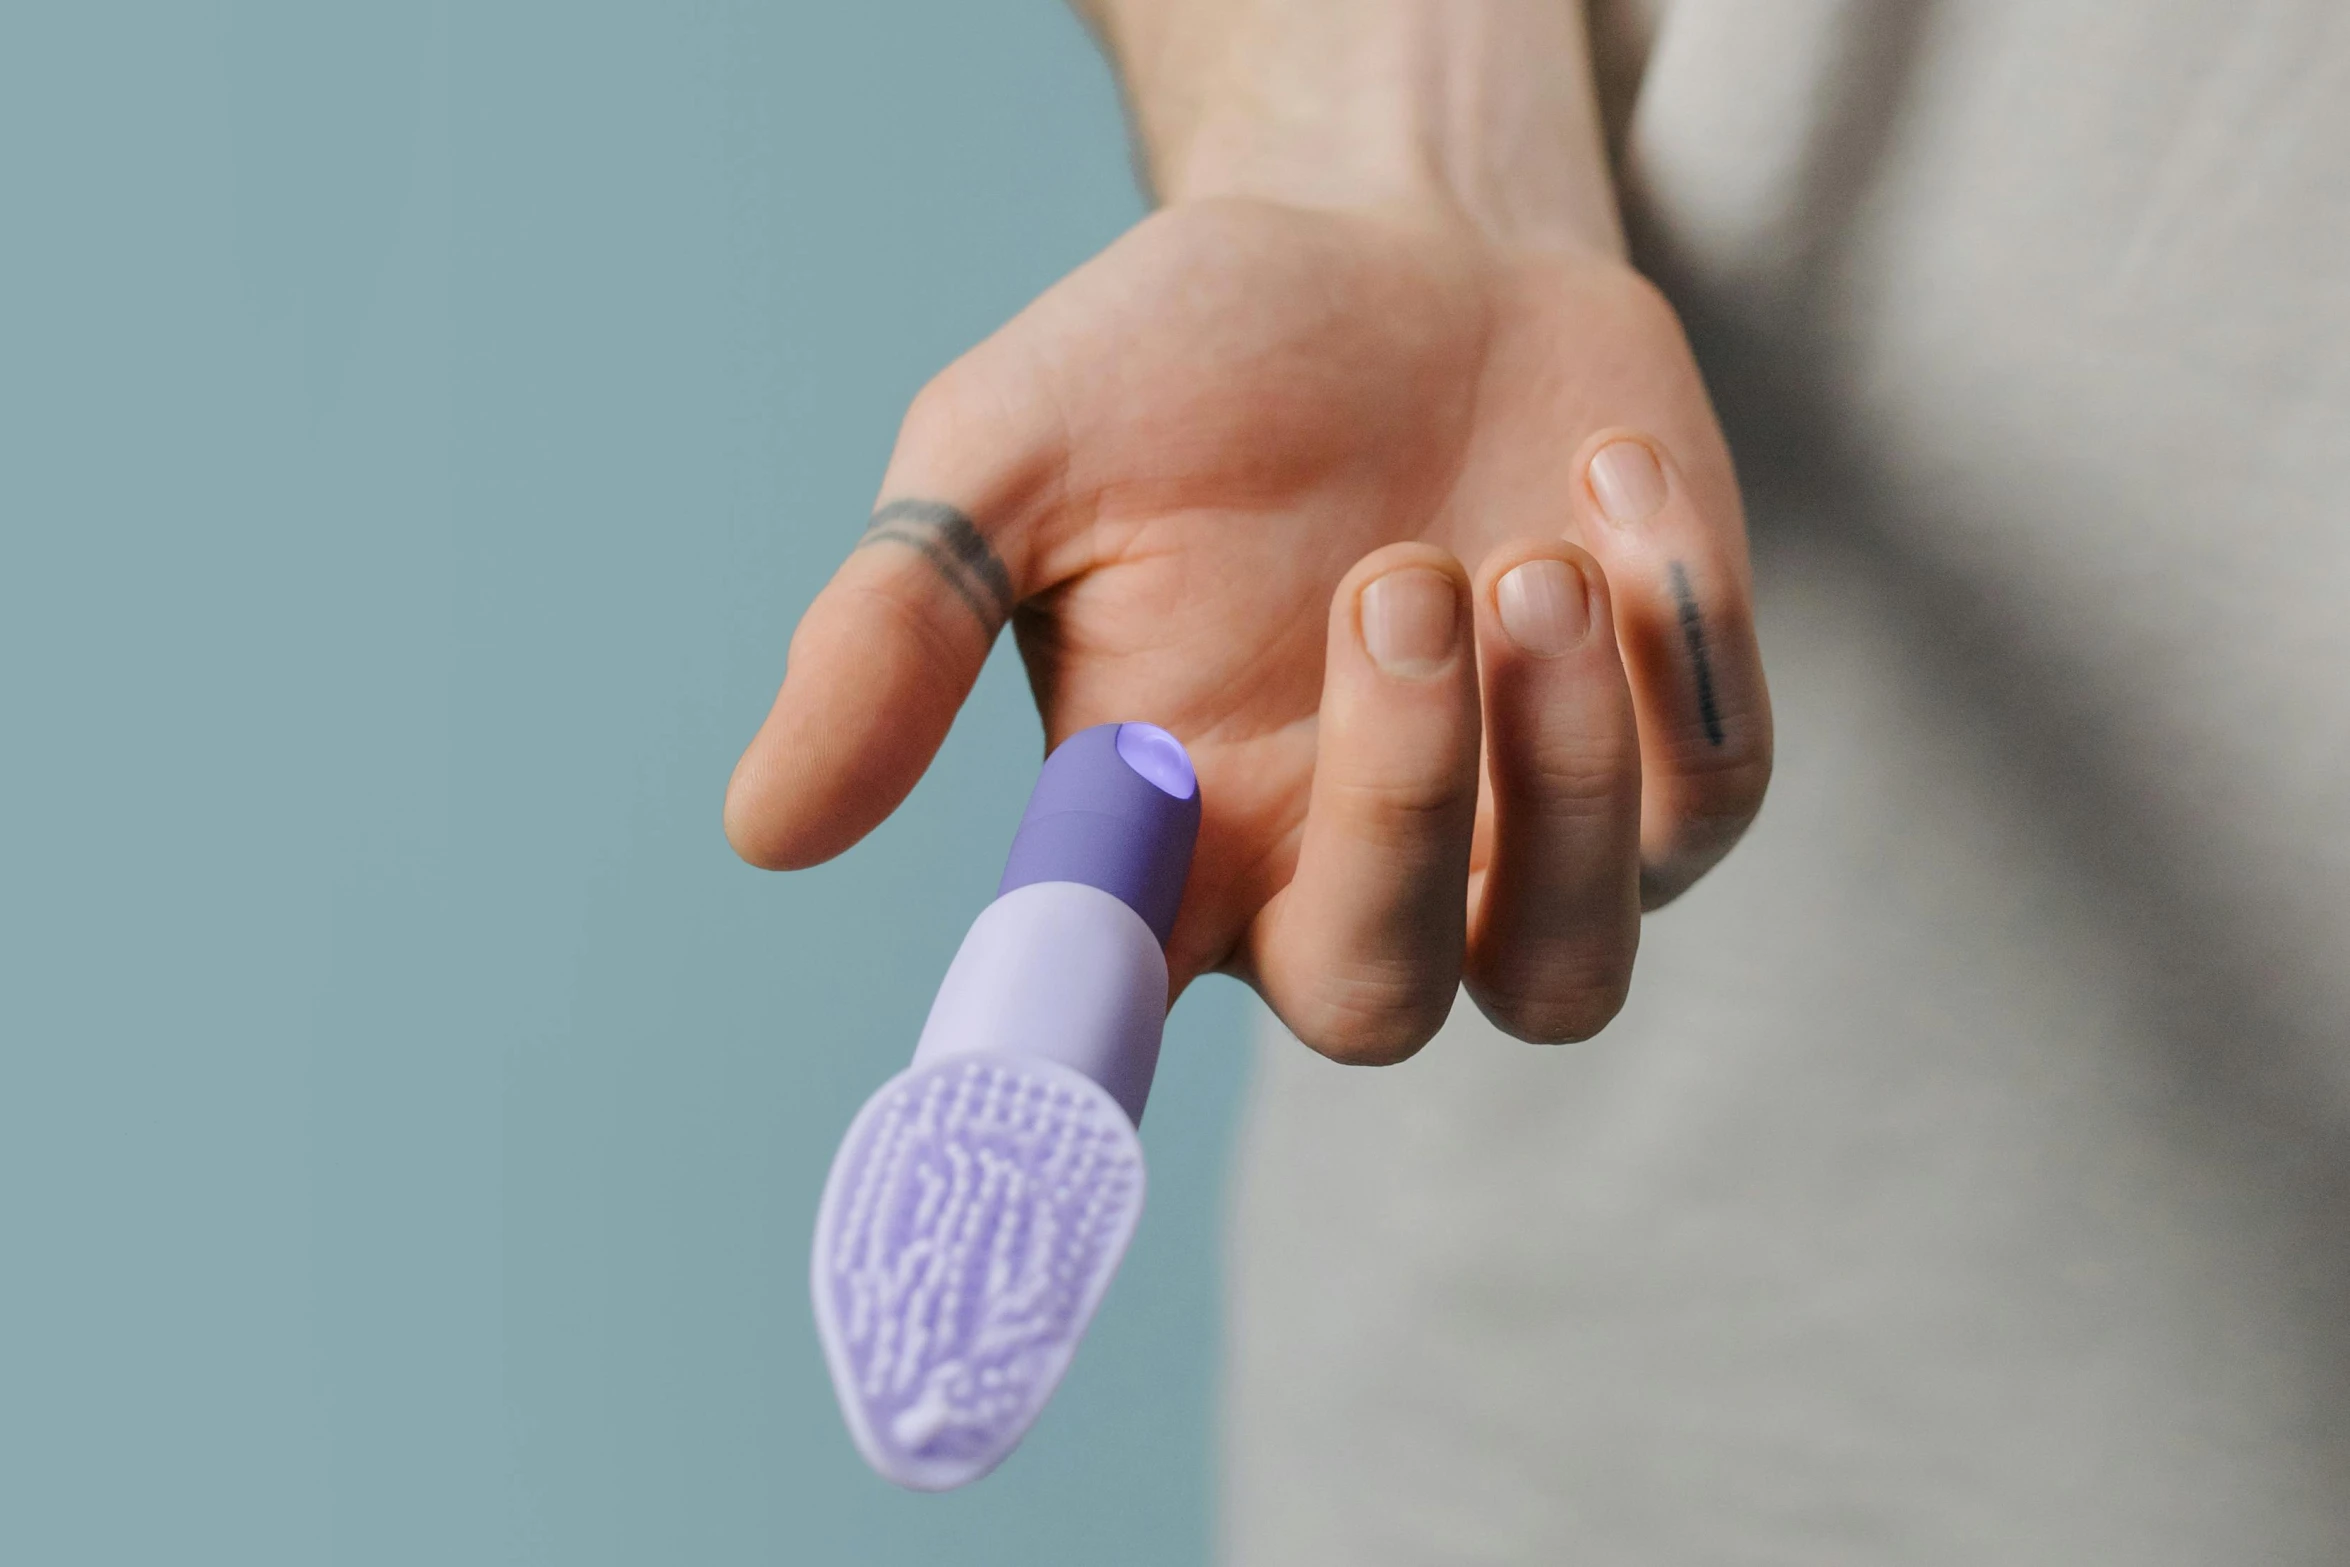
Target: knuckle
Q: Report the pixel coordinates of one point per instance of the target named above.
(1563, 1007)
(1407, 799)
(1715, 789)
(1365, 1044)
(938, 412)
(1573, 777)
(1639, 305)
(1697, 836)
(967, 405)
(904, 610)
(1374, 1017)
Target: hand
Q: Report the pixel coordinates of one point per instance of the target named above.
(1353, 501)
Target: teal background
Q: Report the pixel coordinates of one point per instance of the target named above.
(420, 426)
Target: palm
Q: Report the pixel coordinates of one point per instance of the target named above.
(1186, 466)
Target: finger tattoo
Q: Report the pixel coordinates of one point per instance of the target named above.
(955, 547)
(1701, 667)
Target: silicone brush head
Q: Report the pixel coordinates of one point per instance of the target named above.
(972, 1221)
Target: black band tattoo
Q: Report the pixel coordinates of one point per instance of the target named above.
(953, 544)
(1693, 636)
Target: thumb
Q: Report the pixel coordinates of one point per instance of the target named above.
(886, 654)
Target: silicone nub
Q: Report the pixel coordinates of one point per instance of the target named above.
(1116, 807)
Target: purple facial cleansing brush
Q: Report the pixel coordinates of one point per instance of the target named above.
(983, 1198)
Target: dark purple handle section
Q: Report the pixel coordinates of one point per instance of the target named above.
(1116, 807)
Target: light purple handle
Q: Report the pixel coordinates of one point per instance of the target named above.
(1116, 807)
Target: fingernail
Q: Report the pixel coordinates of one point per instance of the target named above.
(1629, 484)
(1410, 621)
(1545, 606)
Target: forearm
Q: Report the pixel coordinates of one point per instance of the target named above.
(1484, 108)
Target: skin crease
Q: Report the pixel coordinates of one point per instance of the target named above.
(1190, 455)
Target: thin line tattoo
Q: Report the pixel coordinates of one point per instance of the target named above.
(953, 544)
(1693, 634)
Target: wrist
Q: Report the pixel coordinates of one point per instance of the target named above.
(1481, 111)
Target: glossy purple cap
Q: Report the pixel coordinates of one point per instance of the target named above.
(1116, 807)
